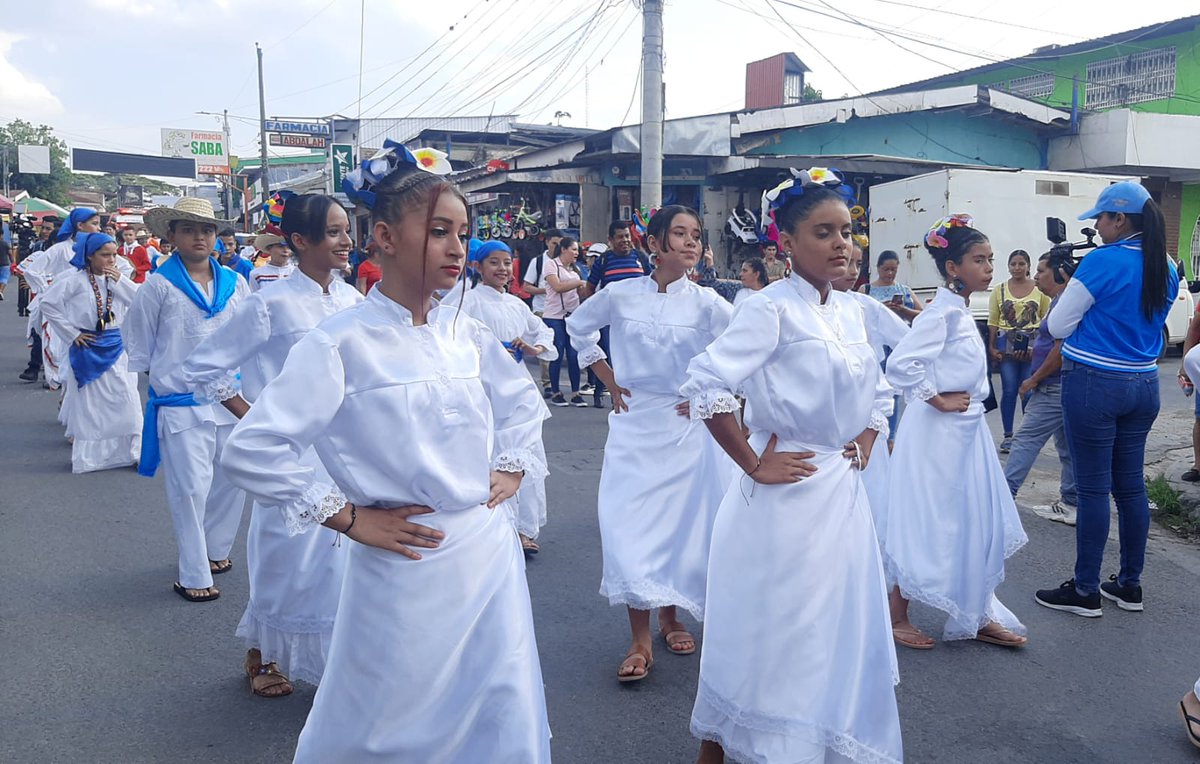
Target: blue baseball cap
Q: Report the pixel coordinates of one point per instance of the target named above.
(1128, 196)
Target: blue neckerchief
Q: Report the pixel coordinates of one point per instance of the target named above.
(517, 355)
(224, 284)
(91, 361)
(150, 458)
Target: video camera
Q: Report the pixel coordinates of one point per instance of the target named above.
(23, 229)
(1062, 258)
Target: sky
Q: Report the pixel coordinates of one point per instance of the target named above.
(108, 74)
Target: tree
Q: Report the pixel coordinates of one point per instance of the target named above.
(811, 94)
(52, 187)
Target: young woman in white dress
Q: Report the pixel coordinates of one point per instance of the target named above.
(884, 327)
(947, 542)
(88, 306)
(811, 677)
(523, 335)
(417, 413)
(295, 581)
(655, 514)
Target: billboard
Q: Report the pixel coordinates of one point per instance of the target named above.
(207, 148)
(132, 164)
(33, 160)
(298, 128)
(297, 141)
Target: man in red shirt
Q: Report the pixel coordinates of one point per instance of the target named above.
(135, 253)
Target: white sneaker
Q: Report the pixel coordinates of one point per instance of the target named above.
(1058, 512)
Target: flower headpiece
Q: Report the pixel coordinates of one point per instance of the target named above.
(936, 238)
(801, 181)
(394, 157)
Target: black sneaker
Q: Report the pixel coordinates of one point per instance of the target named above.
(558, 400)
(29, 375)
(1066, 599)
(598, 400)
(1126, 597)
(577, 400)
(546, 393)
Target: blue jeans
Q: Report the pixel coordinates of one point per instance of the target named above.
(1012, 374)
(1043, 420)
(565, 350)
(1108, 415)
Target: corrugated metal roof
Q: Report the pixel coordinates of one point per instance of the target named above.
(373, 131)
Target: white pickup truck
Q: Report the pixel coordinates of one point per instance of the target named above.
(1010, 206)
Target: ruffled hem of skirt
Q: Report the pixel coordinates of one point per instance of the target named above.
(752, 721)
(956, 615)
(301, 655)
(648, 595)
(105, 453)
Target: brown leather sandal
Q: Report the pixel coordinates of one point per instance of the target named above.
(1193, 724)
(910, 637)
(629, 658)
(1000, 636)
(266, 677)
(675, 635)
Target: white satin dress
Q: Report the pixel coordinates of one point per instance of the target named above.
(798, 663)
(295, 580)
(948, 539)
(432, 660)
(663, 475)
(509, 318)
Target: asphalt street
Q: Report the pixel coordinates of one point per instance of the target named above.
(101, 662)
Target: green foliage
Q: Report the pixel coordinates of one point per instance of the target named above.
(1169, 508)
(811, 94)
(107, 184)
(52, 187)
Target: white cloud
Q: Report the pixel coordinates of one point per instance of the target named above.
(20, 95)
(125, 7)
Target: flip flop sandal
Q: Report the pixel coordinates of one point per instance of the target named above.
(274, 678)
(898, 635)
(529, 546)
(183, 592)
(683, 636)
(1189, 721)
(634, 677)
(1013, 640)
(220, 566)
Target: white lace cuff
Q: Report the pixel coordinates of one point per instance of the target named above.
(591, 356)
(879, 423)
(318, 503)
(223, 387)
(707, 404)
(521, 460)
(922, 392)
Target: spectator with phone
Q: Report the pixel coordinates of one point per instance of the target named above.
(1015, 311)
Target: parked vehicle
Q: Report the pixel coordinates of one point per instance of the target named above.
(1011, 206)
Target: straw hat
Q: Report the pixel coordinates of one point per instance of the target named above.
(264, 240)
(190, 208)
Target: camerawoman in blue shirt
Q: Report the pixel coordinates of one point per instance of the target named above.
(1110, 318)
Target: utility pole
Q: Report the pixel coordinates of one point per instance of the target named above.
(652, 103)
(262, 127)
(229, 178)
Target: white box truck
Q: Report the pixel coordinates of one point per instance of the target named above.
(1010, 206)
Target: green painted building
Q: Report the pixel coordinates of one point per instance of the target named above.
(1135, 101)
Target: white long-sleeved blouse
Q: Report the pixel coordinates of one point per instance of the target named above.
(507, 317)
(41, 268)
(884, 327)
(70, 305)
(256, 340)
(657, 333)
(399, 414)
(942, 353)
(161, 330)
(807, 369)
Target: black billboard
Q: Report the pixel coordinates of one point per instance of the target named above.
(132, 164)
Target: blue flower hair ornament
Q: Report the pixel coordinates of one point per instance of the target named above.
(797, 185)
(394, 157)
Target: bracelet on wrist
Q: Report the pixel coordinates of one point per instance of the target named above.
(751, 472)
(353, 517)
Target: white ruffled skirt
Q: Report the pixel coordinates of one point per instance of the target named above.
(295, 585)
(433, 660)
(528, 507)
(105, 419)
(661, 483)
(798, 663)
(948, 537)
